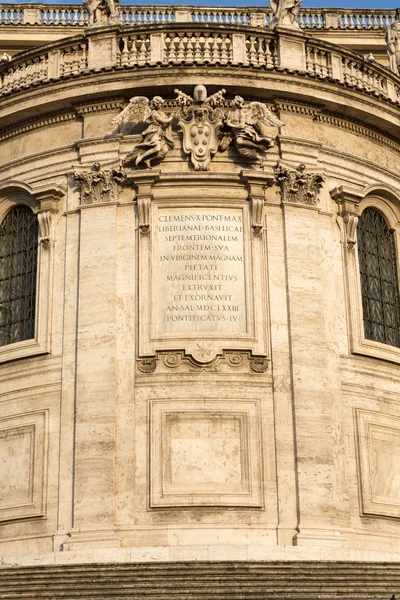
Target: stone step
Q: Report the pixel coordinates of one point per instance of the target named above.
(203, 581)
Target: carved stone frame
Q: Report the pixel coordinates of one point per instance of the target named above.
(220, 194)
(351, 204)
(43, 201)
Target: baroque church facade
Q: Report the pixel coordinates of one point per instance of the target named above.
(199, 302)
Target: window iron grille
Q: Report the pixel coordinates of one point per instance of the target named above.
(18, 268)
(379, 278)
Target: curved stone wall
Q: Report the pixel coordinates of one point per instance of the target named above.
(129, 434)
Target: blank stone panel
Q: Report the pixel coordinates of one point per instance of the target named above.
(22, 465)
(379, 463)
(205, 453)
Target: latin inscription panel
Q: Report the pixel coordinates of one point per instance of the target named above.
(201, 270)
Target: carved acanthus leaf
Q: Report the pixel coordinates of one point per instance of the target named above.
(297, 186)
(99, 185)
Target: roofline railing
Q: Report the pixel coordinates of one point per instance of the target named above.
(193, 44)
(75, 15)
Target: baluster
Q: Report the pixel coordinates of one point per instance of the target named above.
(206, 49)
(251, 53)
(197, 49)
(132, 46)
(215, 48)
(142, 51)
(269, 60)
(167, 48)
(122, 52)
(189, 48)
(172, 49)
(181, 48)
(260, 52)
(175, 43)
(225, 41)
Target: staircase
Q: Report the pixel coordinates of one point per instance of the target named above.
(203, 581)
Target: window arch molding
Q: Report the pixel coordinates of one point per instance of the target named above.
(43, 201)
(352, 203)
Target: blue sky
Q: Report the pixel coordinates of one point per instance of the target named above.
(306, 3)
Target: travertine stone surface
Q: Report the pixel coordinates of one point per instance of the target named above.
(201, 388)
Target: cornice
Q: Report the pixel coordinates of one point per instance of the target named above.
(29, 125)
(103, 105)
(358, 128)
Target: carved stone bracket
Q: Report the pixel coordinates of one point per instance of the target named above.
(256, 182)
(99, 185)
(48, 198)
(179, 361)
(44, 219)
(348, 200)
(144, 182)
(297, 186)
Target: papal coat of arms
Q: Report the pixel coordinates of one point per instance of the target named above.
(200, 120)
(207, 127)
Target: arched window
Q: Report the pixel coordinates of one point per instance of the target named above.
(18, 267)
(379, 278)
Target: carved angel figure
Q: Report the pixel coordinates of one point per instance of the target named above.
(286, 12)
(244, 126)
(99, 10)
(392, 36)
(157, 138)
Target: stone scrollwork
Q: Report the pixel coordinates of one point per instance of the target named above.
(144, 207)
(297, 186)
(44, 219)
(348, 200)
(350, 222)
(98, 185)
(221, 363)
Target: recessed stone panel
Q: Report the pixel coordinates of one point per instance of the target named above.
(379, 462)
(205, 453)
(22, 465)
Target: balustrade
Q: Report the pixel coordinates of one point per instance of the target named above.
(364, 78)
(193, 44)
(261, 52)
(24, 74)
(197, 47)
(318, 62)
(134, 50)
(73, 59)
(76, 15)
(134, 15)
(223, 16)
